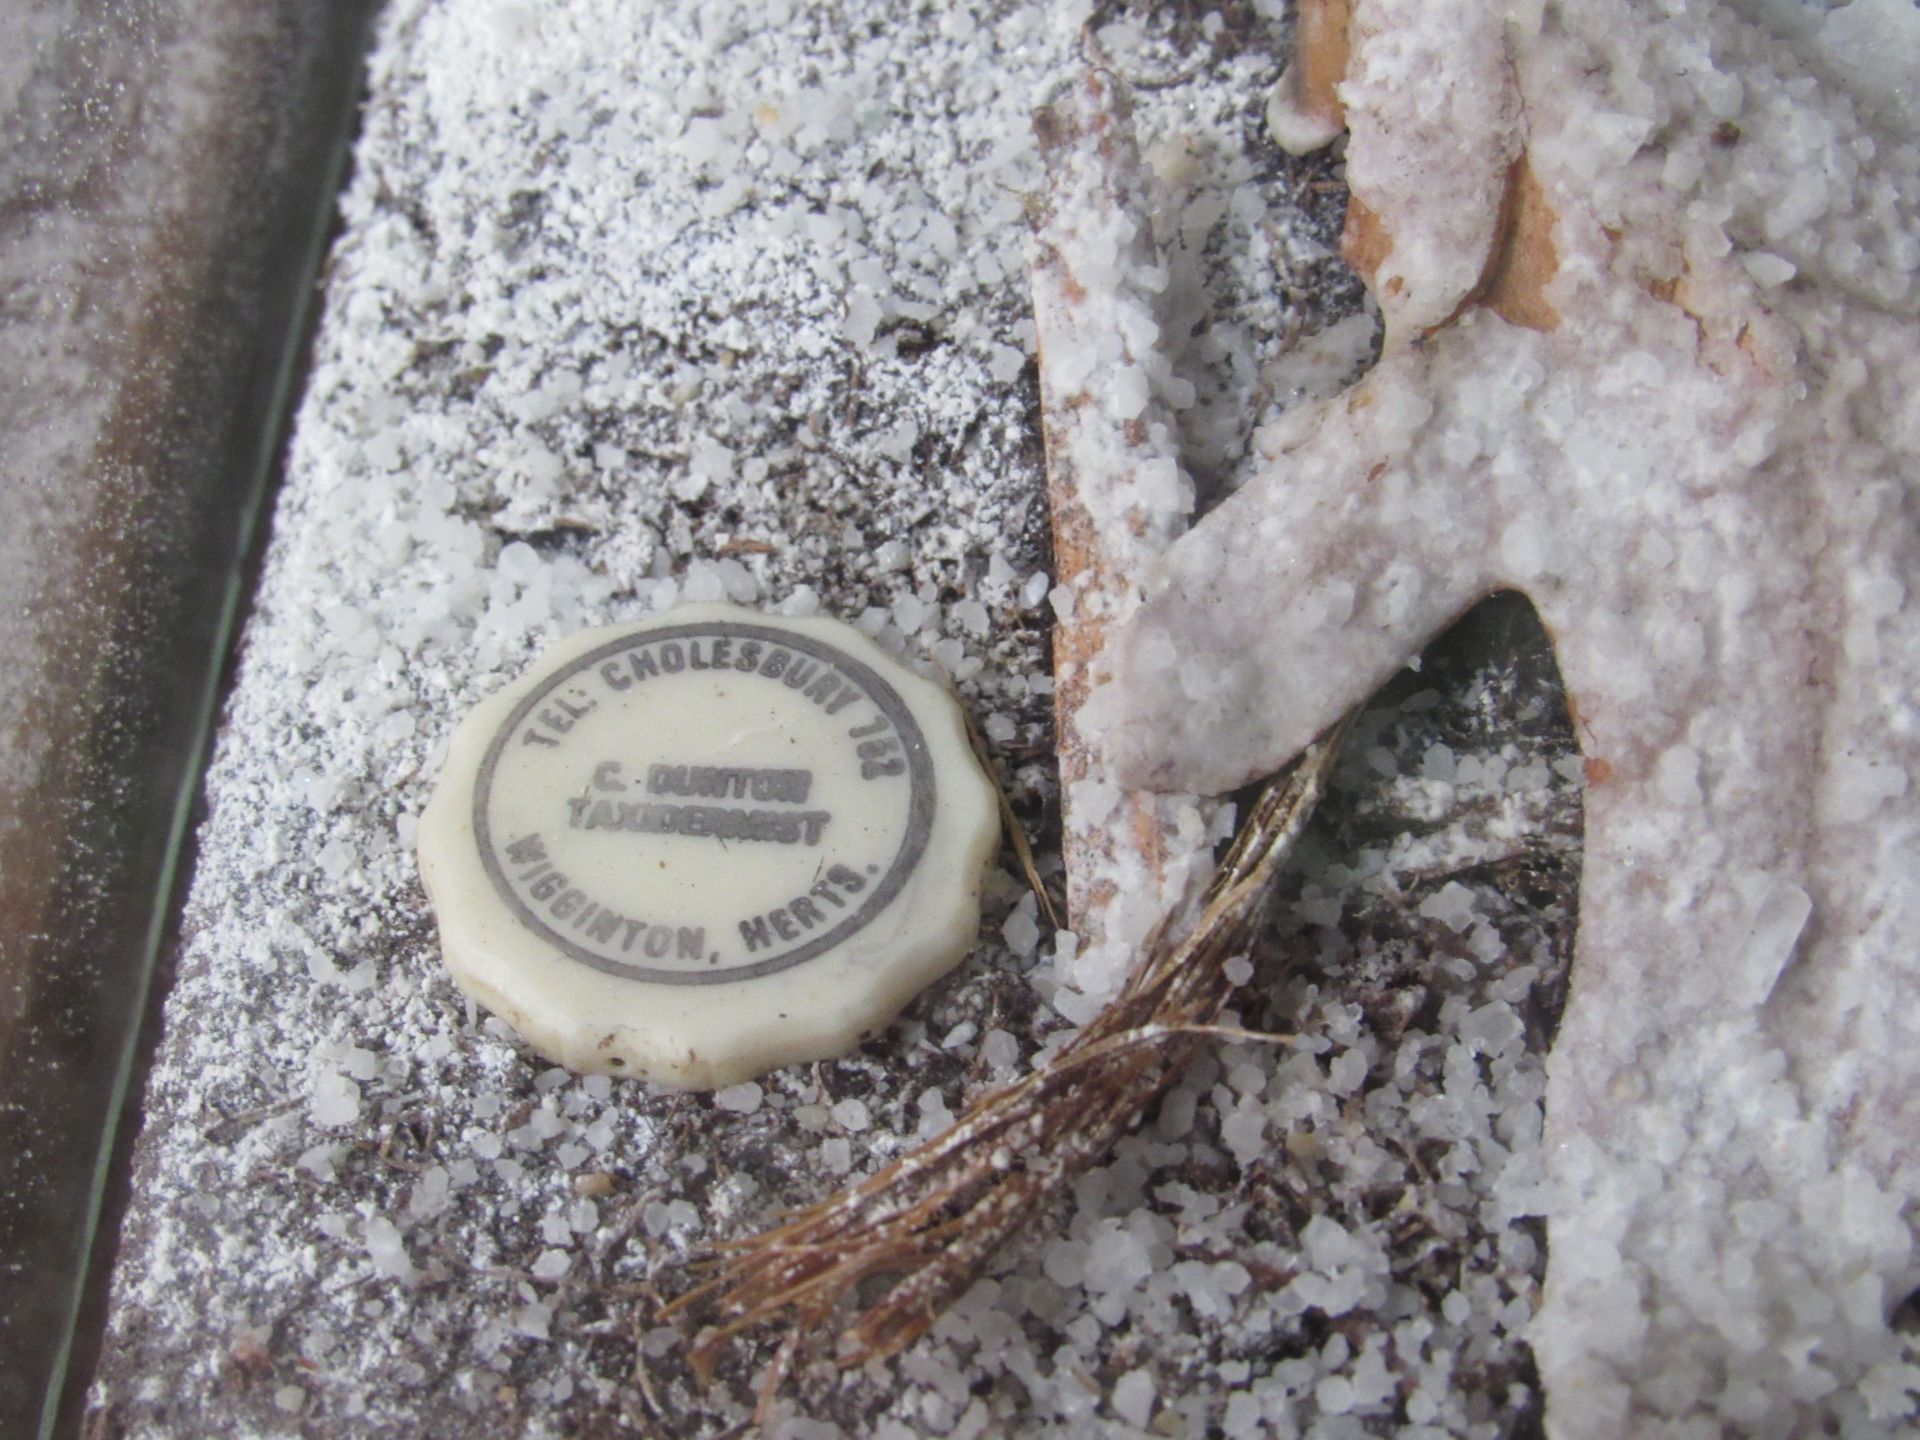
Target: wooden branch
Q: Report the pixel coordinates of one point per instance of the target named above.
(1115, 490)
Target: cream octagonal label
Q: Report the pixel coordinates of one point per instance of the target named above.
(704, 802)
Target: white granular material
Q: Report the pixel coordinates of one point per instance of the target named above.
(1690, 473)
(741, 1099)
(638, 305)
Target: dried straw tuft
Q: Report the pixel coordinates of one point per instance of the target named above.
(935, 1217)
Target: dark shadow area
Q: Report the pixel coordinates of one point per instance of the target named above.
(1488, 690)
(1449, 847)
(170, 217)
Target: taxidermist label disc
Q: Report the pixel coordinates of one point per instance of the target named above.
(757, 795)
(769, 812)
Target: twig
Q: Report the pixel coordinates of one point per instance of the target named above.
(1114, 492)
(1016, 832)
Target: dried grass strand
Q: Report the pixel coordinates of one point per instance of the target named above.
(936, 1216)
(1016, 832)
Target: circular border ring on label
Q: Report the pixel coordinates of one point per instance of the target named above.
(913, 844)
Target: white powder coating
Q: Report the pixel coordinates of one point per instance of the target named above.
(546, 324)
(1704, 478)
(132, 265)
(1097, 308)
(80, 265)
(1406, 131)
(586, 245)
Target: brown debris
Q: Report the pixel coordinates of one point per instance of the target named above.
(1520, 263)
(1364, 241)
(1523, 258)
(1321, 48)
